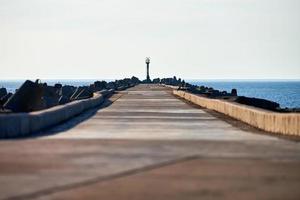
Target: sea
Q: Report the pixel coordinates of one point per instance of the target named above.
(284, 92)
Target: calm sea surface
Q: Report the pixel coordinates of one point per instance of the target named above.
(286, 93)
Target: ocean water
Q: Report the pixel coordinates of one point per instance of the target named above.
(286, 93)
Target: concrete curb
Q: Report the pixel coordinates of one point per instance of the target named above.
(21, 124)
(279, 123)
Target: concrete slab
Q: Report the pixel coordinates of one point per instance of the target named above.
(152, 112)
(149, 145)
(194, 179)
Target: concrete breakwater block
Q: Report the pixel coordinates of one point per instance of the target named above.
(81, 93)
(3, 92)
(51, 95)
(21, 124)
(98, 86)
(27, 98)
(260, 103)
(63, 100)
(5, 98)
(67, 90)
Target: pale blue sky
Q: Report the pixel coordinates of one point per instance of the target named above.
(210, 39)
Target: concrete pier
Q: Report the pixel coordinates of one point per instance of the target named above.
(148, 144)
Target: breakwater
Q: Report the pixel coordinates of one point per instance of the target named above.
(22, 124)
(36, 106)
(274, 122)
(34, 96)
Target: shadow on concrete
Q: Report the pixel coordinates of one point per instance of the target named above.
(99, 179)
(71, 123)
(68, 124)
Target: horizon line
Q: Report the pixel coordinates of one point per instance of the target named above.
(187, 79)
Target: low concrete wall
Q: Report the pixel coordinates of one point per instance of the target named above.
(280, 123)
(20, 124)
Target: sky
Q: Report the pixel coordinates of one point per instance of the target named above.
(109, 39)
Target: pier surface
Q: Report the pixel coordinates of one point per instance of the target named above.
(148, 144)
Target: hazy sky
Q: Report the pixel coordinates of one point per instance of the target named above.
(207, 39)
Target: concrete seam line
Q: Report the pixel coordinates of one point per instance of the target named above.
(99, 179)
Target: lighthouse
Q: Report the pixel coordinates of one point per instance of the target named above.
(147, 63)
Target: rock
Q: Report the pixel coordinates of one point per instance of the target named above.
(98, 86)
(156, 80)
(167, 81)
(76, 93)
(67, 91)
(202, 88)
(172, 81)
(214, 93)
(125, 83)
(84, 94)
(6, 97)
(51, 91)
(260, 103)
(120, 88)
(51, 96)
(27, 98)
(81, 93)
(58, 85)
(63, 100)
(135, 80)
(111, 85)
(234, 92)
(3, 92)
(224, 93)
